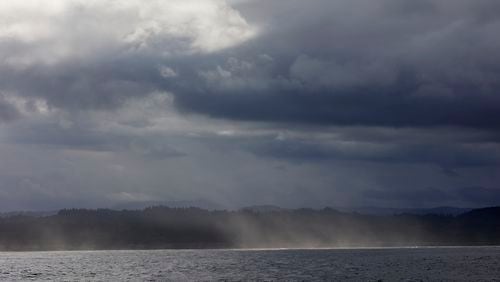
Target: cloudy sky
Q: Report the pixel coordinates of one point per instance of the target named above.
(390, 103)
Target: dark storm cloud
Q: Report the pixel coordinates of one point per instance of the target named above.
(311, 150)
(373, 63)
(368, 107)
(377, 63)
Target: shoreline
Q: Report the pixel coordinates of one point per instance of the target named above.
(367, 248)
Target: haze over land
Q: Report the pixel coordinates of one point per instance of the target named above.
(343, 103)
(167, 228)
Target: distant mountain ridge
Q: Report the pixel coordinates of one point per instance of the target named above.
(28, 213)
(211, 206)
(263, 208)
(416, 211)
(140, 205)
(454, 211)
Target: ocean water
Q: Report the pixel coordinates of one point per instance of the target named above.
(413, 264)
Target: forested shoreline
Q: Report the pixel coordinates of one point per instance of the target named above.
(193, 228)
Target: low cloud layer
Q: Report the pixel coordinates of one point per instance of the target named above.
(250, 102)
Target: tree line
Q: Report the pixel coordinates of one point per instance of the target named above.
(176, 228)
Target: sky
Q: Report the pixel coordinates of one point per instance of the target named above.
(386, 103)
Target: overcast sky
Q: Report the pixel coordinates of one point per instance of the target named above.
(297, 103)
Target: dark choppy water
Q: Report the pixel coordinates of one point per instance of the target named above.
(436, 264)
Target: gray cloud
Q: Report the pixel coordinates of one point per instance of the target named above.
(97, 54)
(466, 196)
(390, 63)
(447, 148)
(288, 102)
(479, 195)
(442, 155)
(52, 136)
(390, 70)
(8, 111)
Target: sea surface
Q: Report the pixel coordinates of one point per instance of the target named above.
(405, 264)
